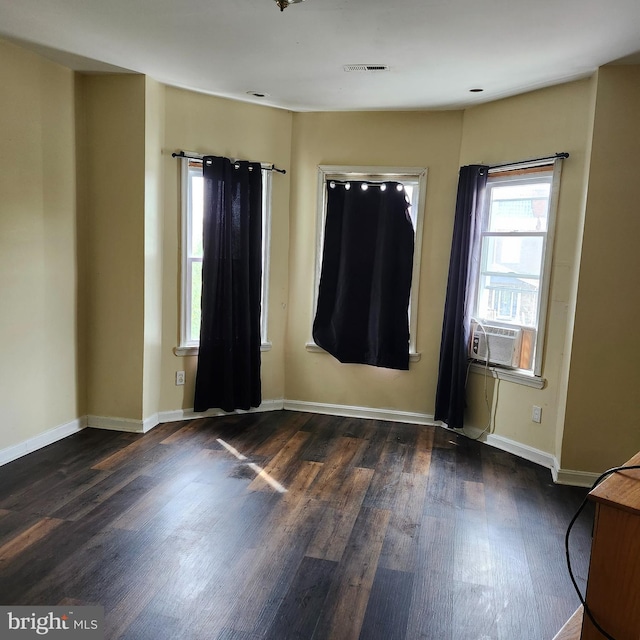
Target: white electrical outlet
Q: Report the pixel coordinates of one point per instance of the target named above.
(179, 378)
(536, 414)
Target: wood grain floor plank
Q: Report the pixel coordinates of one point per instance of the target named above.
(268, 570)
(431, 611)
(32, 497)
(299, 486)
(334, 530)
(338, 463)
(262, 571)
(49, 499)
(21, 575)
(514, 594)
(472, 551)
(375, 436)
(15, 522)
(234, 634)
(280, 466)
(387, 611)
(348, 595)
(297, 616)
(20, 543)
(386, 486)
(136, 446)
(440, 499)
(284, 428)
(500, 501)
(88, 567)
(80, 450)
(400, 548)
(149, 626)
(322, 441)
(469, 460)
(156, 499)
(419, 458)
(474, 613)
(96, 494)
(384, 530)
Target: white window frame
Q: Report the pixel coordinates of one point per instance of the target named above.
(413, 175)
(531, 377)
(189, 347)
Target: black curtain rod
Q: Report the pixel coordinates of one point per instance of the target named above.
(562, 154)
(182, 154)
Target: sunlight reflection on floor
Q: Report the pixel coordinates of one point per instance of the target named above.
(259, 471)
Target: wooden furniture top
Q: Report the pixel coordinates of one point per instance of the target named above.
(572, 628)
(620, 489)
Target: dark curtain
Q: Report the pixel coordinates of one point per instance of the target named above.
(463, 269)
(228, 374)
(363, 298)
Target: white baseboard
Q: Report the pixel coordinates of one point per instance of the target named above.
(189, 414)
(537, 456)
(123, 424)
(369, 413)
(573, 478)
(150, 422)
(30, 445)
(116, 424)
(524, 451)
(544, 459)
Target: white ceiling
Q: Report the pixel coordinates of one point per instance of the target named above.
(436, 50)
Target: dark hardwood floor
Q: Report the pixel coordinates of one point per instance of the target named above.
(289, 525)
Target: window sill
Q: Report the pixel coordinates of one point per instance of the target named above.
(517, 376)
(314, 348)
(193, 351)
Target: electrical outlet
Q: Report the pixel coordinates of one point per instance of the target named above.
(179, 378)
(536, 414)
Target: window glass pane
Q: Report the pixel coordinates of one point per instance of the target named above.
(197, 186)
(414, 183)
(266, 251)
(508, 299)
(413, 209)
(519, 207)
(512, 254)
(196, 292)
(192, 257)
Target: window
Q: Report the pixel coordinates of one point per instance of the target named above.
(414, 180)
(515, 254)
(192, 253)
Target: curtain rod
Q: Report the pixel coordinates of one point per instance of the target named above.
(182, 154)
(561, 155)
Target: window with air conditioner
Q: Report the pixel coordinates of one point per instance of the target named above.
(513, 255)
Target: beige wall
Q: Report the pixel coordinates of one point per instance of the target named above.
(153, 243)
(428, 139)
(601, 423)
(113, 110)
(206, 124)
(39, 385)
(89, 249)
(529, 126)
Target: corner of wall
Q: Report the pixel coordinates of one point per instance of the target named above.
(566, 359)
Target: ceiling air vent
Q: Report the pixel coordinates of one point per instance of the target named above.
(366, 67)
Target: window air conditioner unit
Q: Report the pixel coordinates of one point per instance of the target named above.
(495, 345)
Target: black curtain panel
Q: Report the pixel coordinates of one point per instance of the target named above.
(363, 298)
(463, 269)
(228, 374)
